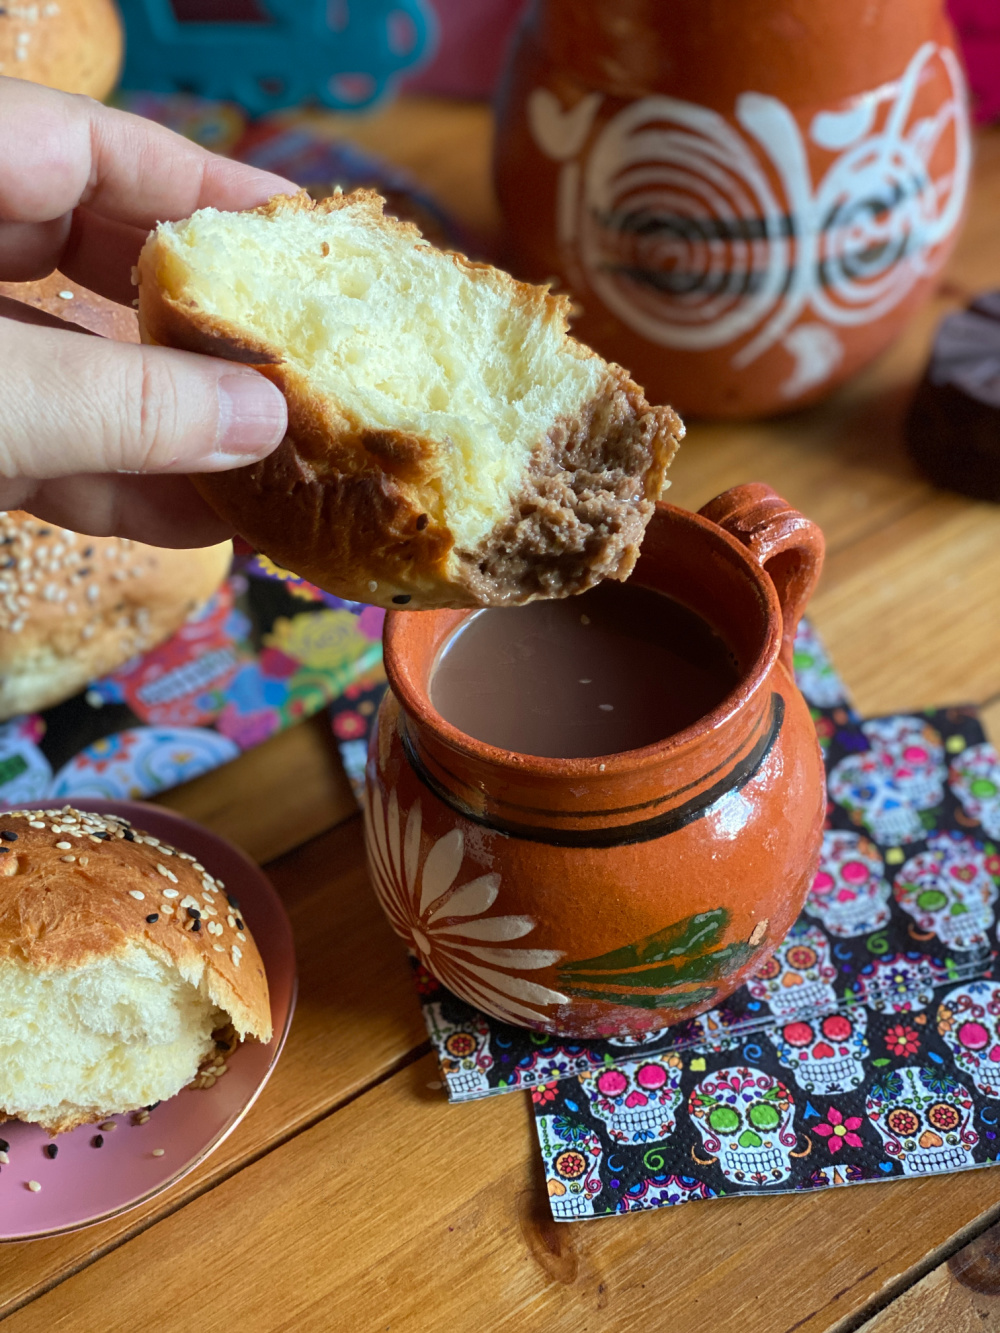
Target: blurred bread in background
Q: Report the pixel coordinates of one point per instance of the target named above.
(73, 608)
(75, 45)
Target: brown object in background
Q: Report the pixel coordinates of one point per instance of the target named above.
(73, 608)
(59, 296)
(953, 425)
(748, 199)
(74, 45)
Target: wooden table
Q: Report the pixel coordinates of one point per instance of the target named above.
(353, 1197)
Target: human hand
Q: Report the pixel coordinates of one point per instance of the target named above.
(98, 436)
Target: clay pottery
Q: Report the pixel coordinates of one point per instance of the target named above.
(75, 45)
(613, 895)
(748, 199)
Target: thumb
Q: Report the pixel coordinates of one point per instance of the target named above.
(71, 403)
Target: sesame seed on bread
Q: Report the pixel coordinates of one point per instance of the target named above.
(119, 956)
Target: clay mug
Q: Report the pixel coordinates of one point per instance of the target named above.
(747, 199)
(614, 895)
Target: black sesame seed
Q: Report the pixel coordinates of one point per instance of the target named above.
(196, 926)
(44, 532)
(128, 835)
(105, 837)
(6, 541)
(8, 835)
(193, 913)
(152, 1106)
(153, 916)
(85, 571)
(422, 521)
(98, 1140)
(4, 849)
(233, 903)
(88, 551)
(401, 598)
(4, 1146)
(239, 924)
(51, 1150)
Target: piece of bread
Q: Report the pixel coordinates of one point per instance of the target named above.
(75, 45)
(73, 608)
(449, 444)
(119, 956)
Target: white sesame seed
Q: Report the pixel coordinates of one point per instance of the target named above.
(63, 846)
(108, 1124)
(66, 296)
(231, 921)
(67, 858)
(84, 860)
(237, 954)
(170, 893)
(35, 823)
(241, 937)
(218, 948)
(34, 1186)
(158, 1152)
(166, 910)
(136, 893)
(4, 1159)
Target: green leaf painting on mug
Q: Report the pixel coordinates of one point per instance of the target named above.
(671, 960)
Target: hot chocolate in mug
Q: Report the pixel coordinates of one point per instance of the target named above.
(609, 893)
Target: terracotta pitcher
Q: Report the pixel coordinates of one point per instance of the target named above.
(595, 897)
(747, 198)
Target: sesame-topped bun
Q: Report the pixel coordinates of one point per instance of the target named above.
(73, 608)
(119, 957)
(449, 444)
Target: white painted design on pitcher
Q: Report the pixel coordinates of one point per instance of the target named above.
(696, 233)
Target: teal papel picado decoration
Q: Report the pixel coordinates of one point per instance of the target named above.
(344, 54)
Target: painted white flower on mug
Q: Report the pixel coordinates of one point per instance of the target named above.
(445, 920)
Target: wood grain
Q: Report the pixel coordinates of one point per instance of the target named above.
(274, 797)
(961, 1296)
(402, 1212)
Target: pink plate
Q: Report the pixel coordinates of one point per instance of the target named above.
(84, 1184)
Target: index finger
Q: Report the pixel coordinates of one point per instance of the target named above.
(61, 150)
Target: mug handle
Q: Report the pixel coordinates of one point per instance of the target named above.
(784, 542)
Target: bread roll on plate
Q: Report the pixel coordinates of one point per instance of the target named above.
(449, 444)
(73, 608)
(119, 957)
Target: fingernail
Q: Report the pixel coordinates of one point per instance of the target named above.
(253, 417)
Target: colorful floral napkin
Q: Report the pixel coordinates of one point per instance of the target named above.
(268, 650)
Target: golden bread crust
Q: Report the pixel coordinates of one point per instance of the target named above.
(358, 510)
(73, 608)
(62, 907)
